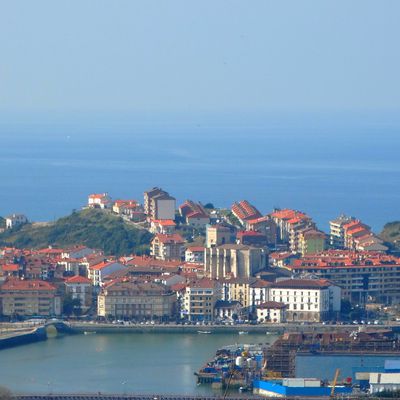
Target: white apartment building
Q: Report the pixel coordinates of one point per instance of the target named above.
(312, 300)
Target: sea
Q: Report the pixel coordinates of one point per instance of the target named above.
(324, 166)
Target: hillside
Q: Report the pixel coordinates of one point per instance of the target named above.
(92, 228)
(391, 235)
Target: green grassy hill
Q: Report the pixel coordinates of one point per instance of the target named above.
(391, 235)
(93, 228)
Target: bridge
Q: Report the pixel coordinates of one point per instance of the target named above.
(61, 326)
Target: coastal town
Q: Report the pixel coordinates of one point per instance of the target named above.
(209, 267)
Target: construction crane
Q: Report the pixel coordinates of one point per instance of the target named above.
(335, 379)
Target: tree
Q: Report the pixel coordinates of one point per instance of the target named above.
(5, 394)
(71, 305)
(345, 307)
(210, 206)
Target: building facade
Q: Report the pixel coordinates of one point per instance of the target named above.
(363, 276)
(311, 300)
(135, 300)
(29, 298)
(199, 300)
(80, 287)
(234, 260)
(167, 247)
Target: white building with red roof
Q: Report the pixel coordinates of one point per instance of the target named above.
(311, 300)
(194, 213)
(80, 287)
(272, 312)
(164, 226)
(194, 254)
(99, 200)
(99, 272)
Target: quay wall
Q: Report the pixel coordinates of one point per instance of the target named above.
(17, 339)
(101, 396)
(275, 329)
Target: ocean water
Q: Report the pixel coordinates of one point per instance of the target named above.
(324, 169)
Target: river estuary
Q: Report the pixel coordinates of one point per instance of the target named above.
(135, 363)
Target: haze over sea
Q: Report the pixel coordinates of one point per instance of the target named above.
(324, 165)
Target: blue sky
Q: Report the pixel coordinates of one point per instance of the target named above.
(182, 58)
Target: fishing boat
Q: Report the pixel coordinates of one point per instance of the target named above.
(204, 332)
(243, 333)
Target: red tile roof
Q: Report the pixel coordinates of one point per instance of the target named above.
(271, 305)
(26, 285)
(77, 279)
(10, 267)
(302, 284)
(196, 248)
(171, 238)
(164, 222)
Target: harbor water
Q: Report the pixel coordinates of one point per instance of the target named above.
(115, 363)
(136, 363)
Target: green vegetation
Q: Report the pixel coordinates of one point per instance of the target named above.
(93, 228)
(5, 394)
(2, 222)
(71, 306)
(391, 235)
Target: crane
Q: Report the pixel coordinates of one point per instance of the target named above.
(335, 379)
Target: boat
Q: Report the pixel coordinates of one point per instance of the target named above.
(204, 332)
(89, 332)
(243, 333)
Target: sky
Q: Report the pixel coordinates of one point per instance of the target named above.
(157, 59)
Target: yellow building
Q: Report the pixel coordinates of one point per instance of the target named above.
(311, 241)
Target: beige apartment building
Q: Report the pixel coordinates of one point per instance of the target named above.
(133, 299)
(159, 205)
(199, 300)
(29, 298)
(168, 247)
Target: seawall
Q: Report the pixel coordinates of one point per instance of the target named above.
(18, 338)
(275, 329)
